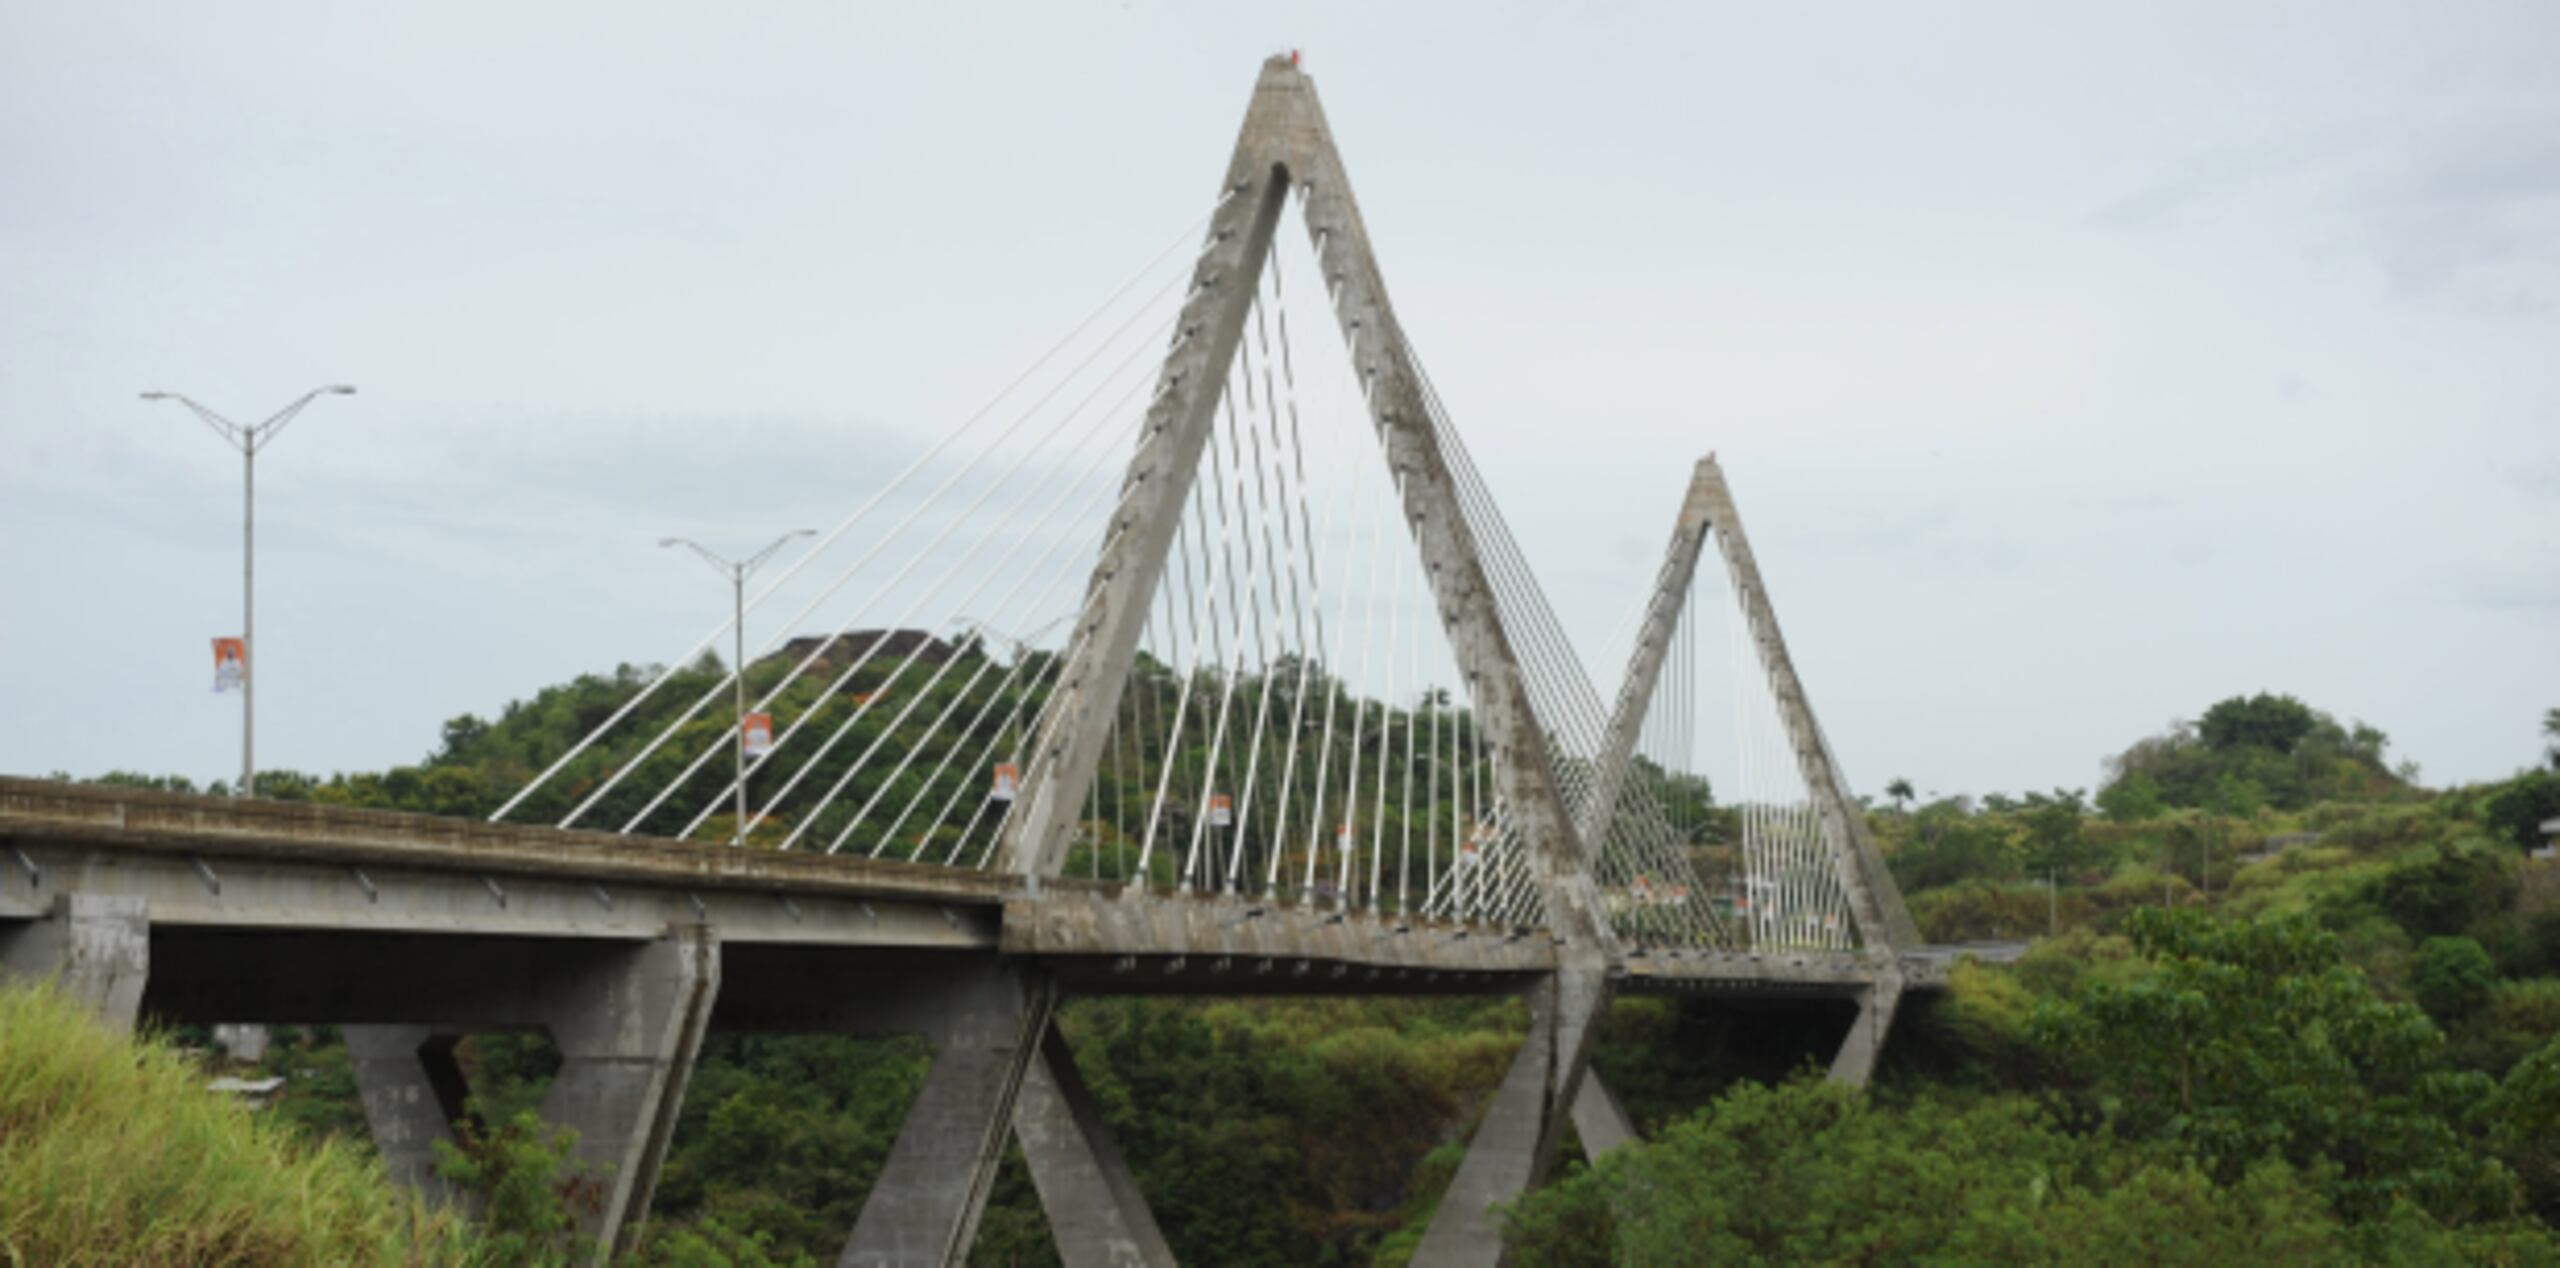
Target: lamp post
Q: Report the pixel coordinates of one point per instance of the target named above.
(249, 440)
(737, 571)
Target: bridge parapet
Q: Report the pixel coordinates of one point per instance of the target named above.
(180, 824)
(1120, 942)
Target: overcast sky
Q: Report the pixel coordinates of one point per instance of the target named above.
(2072, 371)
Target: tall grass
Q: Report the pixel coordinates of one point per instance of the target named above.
(112, 1152)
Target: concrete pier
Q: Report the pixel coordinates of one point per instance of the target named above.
(413, 1094)
(1856, 1060)
(924, 1208)
(95, 947)
(628, 1034)
(628, 1020)
(1096, 1214)
(1599, 1119)
(1516, 1142)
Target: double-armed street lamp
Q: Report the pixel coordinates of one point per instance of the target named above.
(737, 571)
(249, 440)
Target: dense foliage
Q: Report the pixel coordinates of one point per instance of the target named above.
(2247, 752)
(1809, 1173)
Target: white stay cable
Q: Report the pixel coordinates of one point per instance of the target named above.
(1022, 459)
(1039, 531)
(929, 502)
(977, 723)
(1040, 568)
(895, 483)
(1173, 743)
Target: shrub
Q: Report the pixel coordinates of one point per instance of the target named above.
(2451, 976)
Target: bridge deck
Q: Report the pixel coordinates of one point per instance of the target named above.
(210, 863)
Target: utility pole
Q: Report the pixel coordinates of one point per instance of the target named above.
(249, 440)
(737, 571)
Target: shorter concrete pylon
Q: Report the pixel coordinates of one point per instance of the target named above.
(1516, 1141)
(96, 948)
(925, 1206)
(1855, 1063)
(1096, 1214)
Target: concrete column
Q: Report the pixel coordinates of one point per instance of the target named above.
(413, 1094)
(924, 1208)
(95, 947)
(242, 1041)
(1096, 1213)
(1516, 1141)
(1599, 1119)
(628, 1033)
(1856, 1061)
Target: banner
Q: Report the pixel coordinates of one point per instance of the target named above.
(1221, 810)
(1008, 781)
(230, 664)
(758, 730)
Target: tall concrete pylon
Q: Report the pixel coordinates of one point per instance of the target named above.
(1285, 145)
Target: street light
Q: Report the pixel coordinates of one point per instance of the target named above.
(249, 440)
(737, 571)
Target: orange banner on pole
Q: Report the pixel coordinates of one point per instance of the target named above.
(758, 730)
(1222, 810)
(1008, 781)
(230, 663)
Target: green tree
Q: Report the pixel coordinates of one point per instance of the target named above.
(2291, 754)
(2446, 890)
(2518, 807)
(2451, 976)
(2526, 1125)
(1900, 792)
(2255, 1039)
(529, 1192)
(2260, 721)
(2055, 840)
(2131, 798)
(1811, 1173)
(1946, 845)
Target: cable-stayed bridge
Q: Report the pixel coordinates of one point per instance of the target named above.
(1201, 660)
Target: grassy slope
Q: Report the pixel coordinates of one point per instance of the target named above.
(113, 1152)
